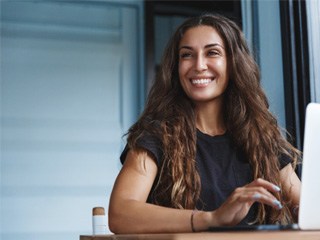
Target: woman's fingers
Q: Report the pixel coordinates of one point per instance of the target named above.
(236, 207)
(261, 191)
(265, 184)
(254, 189)
(252, 196)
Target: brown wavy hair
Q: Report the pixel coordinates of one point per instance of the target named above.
(169, 116)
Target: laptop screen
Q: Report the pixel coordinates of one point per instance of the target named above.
(309, 211)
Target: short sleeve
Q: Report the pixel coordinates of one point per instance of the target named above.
(149, 143)
(284, 160)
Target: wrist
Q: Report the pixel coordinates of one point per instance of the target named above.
(295, 210)
(201, 221)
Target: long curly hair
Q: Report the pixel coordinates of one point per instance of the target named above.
(169, 116)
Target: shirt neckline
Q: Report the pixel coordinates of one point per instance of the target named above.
(207, 136)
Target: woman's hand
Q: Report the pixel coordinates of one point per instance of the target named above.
(238, 204)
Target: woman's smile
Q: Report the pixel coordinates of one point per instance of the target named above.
(201, 82)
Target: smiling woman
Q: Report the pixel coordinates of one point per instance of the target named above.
(206, 151)
(203, 64)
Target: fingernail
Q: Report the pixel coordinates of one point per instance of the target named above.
(276, 188)
(277, 203)
(256, 196)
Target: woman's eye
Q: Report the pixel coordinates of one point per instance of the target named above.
(213, 53)
(185, 55)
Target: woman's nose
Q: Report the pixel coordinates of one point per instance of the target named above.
(201, 64)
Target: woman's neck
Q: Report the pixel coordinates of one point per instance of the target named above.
(209, 118)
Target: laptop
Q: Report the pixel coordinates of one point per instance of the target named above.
(309, 210)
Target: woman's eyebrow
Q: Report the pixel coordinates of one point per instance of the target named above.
(186, 47)
(213, 45)
(206, 46)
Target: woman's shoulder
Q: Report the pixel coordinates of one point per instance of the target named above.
(284, 160)
(148, 139)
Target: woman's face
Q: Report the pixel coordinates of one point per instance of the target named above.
(203, 64)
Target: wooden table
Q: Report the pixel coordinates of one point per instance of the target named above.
(254, 235)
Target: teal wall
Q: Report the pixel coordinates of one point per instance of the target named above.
(261, 25)
(71, 85)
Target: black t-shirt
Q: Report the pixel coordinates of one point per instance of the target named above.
(221, 168)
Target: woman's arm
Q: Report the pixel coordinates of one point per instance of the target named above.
(129, 212)
(291, 186)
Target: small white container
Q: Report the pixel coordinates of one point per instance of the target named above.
(99, 221)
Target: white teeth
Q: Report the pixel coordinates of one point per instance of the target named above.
(201, 81)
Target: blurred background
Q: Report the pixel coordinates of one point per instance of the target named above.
(75, 76)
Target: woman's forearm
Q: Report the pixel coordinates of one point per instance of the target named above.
(131, 216)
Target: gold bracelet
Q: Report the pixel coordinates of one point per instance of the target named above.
(192, 226)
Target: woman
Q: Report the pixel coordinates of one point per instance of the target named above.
(206, 151)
